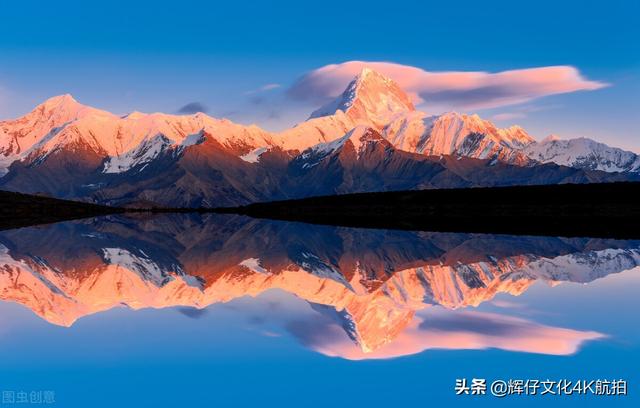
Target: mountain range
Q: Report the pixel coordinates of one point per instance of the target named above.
(370, 138)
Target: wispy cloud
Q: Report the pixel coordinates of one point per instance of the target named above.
(521, 112)
(263, 88)
(509, 116)
(451, 89)
(193, 107)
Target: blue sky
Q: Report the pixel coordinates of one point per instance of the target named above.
(160, 56)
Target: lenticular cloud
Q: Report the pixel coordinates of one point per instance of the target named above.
(450, 89)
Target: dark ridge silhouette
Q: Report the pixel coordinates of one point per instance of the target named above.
(573, 210)
(588, 210)
(21, 210)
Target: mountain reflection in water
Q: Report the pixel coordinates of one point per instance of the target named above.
(375, 290)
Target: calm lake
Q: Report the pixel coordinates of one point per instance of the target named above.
(228, 311)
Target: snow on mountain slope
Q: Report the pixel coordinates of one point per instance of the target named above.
(254, 155)
(457, 134)
(358, 137)
(146, 151)
(18, 136)
(314, 131)
(149, 135)
(137, 138)
(152, 134)
(583, 153)
(371, 98)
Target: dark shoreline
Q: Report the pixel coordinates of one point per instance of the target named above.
(586, 210)
(606, 210)
(19, 210)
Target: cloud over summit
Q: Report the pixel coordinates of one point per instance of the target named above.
(448, 89)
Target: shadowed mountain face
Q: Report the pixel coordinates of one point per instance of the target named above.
(370, 283)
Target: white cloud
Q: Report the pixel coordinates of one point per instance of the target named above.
(451, 89)
(521, 112)
(509, 116)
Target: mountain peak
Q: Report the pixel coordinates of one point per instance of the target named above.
(62, 109)
(135, 115)
(370, 98)
(366, 71)
(368, 75)
(66, 97)
(64, 101)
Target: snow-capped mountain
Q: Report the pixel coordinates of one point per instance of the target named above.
(125, 142)
(18, 137)
(69, 150)
(314, 131)
(374, 100)
(457, 134)
(362, 160)
(583, 153)
(358, 139)
(371, 98)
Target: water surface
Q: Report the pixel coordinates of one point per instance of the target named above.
(190, 310)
